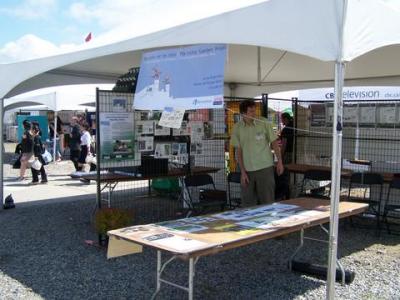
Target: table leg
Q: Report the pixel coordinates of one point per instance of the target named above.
(158, 275)
(160, 269)
(297, 249)
(109, 196)
(184, 196)
(149, 187)
(191, 277)
(110, 190)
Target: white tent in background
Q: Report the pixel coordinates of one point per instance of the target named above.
(55, 99)
(77, 97)
(274, 46)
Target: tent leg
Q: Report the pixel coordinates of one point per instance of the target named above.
(55, 137)
(336, 171)
(1, 151)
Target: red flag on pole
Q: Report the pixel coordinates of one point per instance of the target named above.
(88, 37)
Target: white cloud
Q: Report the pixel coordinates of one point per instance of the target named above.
(118, 20)
(122, 19)
(30, 46)
(32, 9)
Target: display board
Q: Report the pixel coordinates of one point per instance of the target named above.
(186, 77)
(117, 138)
(363, 115)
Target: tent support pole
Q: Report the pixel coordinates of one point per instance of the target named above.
(55, 137)
(1, 151)
(336, 172)
(259, 65)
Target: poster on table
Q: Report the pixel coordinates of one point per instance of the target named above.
(186, 77)
(117, 137)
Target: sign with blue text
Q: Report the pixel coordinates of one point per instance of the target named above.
(187, 77)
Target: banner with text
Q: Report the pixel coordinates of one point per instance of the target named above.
(186, 77)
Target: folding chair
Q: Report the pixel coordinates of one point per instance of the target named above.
(308, 187)
(208, 198)
(391, 210)
(233, 178)
(360, 190)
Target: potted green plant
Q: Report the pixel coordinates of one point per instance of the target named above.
(111, 218)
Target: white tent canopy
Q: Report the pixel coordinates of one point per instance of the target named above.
(298, 42)
(273, 46)
(60, 99)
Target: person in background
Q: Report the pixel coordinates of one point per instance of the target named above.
(38, 150)
(86, 141)
(94, 129)
(286, 137)
(26, 149)
(75, 143)
(253, 138)
(59, 137)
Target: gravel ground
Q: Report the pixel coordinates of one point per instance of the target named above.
(43, 256)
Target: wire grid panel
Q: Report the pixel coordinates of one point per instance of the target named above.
(201, 140)
(370, 134)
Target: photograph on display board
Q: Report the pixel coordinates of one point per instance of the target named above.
(145, 127)
(196, 148)
(182, 148)
(145, 143)
(161, 131)
(196, 131)
(317, 114)
(329, 113)
(367, 115)
(119, 105)
(350, 114)
(175, 149)
(122, 146)
(184, 130)
(387, 114)
(162, 150)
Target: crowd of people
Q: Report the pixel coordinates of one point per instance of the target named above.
(32, 150)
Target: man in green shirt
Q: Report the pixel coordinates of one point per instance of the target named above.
(253, 139)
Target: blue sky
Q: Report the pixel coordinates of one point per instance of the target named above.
(50, 20)
(37, 28)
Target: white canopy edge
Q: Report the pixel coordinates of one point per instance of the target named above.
(307, 27)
